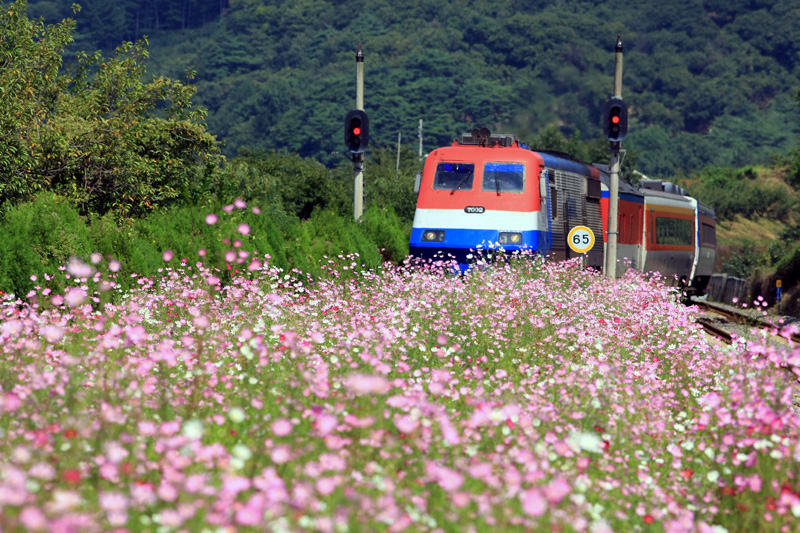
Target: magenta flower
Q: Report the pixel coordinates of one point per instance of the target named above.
(244, 229)
(167, 255)
(212, 219)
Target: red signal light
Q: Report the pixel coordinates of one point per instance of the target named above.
(615, 120)
(356, 131)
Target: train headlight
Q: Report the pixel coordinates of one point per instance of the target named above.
(433, 235)
(510, 238)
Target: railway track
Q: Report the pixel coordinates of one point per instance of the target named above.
(726, 323)
(732, 317)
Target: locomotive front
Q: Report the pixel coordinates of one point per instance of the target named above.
(478, 195)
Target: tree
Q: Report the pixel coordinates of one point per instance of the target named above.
(96, 134)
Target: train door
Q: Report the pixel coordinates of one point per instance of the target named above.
(545, 221)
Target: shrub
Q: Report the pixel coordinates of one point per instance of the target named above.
(39, 237)
(388, 232)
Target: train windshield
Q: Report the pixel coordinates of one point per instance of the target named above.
(504, 177)
(454, 176)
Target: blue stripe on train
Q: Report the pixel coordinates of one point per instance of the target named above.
(625, 197)
(459, 243)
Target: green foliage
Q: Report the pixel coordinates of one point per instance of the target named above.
(29, 90)
(327, 235)
(38, 238)
(734, 192)
(389, 187)
(387, 230)
(297, 185)
(98, 135)
(44, 234)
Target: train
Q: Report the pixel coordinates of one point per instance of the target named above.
(489, 191)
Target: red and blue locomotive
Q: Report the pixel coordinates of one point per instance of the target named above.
(488, 191)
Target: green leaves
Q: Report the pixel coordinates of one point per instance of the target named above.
(97, 134)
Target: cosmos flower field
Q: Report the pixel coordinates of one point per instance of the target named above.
(528, 396)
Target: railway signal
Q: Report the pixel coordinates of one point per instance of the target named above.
(615, 119)
(356, 131)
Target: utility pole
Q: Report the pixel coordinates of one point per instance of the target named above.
(358, 158)
(420, 139)
(399, 137)
(615, 124)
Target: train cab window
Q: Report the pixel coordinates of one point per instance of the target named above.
(676, 231)
(454, 176)
(708, 235)
(504, 177)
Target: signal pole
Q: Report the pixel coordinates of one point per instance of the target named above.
(358, 158)
(613, 195)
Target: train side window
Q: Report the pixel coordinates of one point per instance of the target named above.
(708, 235)
(554, 202)
(592, 188)
(454, 176)
(676, 231)
(504, 177)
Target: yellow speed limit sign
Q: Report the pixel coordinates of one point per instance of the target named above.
(580, 239)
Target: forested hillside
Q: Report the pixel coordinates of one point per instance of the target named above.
(709, 82)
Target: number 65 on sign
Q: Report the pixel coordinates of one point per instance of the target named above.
(580, 239)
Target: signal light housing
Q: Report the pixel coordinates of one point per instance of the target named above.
(356, 131)
(615, 119)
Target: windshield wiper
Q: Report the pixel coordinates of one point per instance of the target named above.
(460, 183)
(497, 184)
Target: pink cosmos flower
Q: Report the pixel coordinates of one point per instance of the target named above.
(533, 503)
(362, 384)
(557, 490)
(326, 485)
(75, 297)
(326, 423)
(168, 255)
(244, 229)
(280, 455)
(211, 219)
(248, 516)
(78, 268)
(112, 501)
(33, 519)
(114, 265)
(281, 427)
(52, 334)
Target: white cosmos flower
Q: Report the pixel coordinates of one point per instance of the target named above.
(192, 429)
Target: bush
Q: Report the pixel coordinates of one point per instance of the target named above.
(732, 192)
(38, 238)
(327, 234)
(387, 231)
